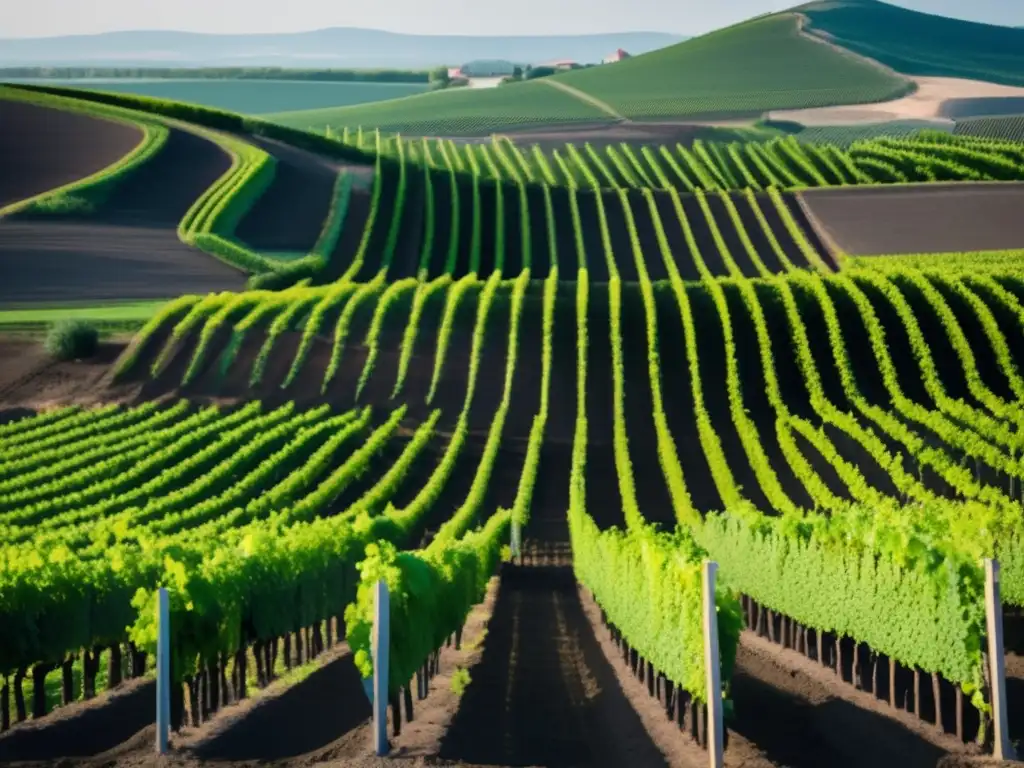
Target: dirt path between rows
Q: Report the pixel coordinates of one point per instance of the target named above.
(576, 93)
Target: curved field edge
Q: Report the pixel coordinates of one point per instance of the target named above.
(718, 74)
(83, 195)
(210, 222)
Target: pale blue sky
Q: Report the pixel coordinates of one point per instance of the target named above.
(36, 18)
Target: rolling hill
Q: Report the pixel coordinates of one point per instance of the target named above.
(740, 71)
(920, 43)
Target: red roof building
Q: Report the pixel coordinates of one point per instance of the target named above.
(619, 55)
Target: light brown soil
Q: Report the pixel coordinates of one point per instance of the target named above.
(936, 98)
(30, 379)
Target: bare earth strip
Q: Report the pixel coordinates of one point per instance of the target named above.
(936, 98)
(43, 148)
(933, 218)
(288, 216)
(578, 94)
(59, 262)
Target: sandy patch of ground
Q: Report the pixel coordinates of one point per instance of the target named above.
(485, 82)
(936, 98)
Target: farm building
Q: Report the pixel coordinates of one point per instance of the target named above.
(619, 55)
(561, 64)
(488, 68)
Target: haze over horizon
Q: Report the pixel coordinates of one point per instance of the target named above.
(50, 18)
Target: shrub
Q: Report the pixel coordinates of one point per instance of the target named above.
(72, 340)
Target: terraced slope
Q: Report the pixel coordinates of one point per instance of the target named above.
(739, 71)
(916, 43)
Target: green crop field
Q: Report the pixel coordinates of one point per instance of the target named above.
(713, 75)
(919, 43)
(708, 76)
(640, 357)
(457, 111)
(1010, 128)
(845, 135)
(784, 162)
(251, 97)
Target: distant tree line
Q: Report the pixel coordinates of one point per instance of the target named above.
(222, 73)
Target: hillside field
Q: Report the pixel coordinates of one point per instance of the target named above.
(918, 43)
(252, 97)
(706, 77)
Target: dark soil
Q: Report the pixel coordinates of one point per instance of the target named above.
(541, 258)
(755, 232)
(985, 360)
(652, 492)
(515, 236)
(650, 248)
(405, 262)
(561, 423)
(442, 190)
(604, 500)
(30, 379)
(618, 232)
(702, 236)
(1008, 322)
(713, 373)
(755, 398)
(593, 248)
(925, 218)
(85, 728)
(732, 239)
(677, 399)
(464, 199)
(488, 230)
(159, 193)
(303, 718)
(543, 693)
(565, 240)
(684, 258)
(805, 719)
(778, 227)
(347, 247)
(42, 148)
(898, 343)
(73, 262)
(289, 215)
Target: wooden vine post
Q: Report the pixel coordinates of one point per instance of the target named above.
(517, 542)
(163, 670)
(712, 668)
(1002, 748)
(380, 647)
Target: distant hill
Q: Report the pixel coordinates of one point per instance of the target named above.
(343, 47)
(1003, 12)
(915, 43)
(740, 71)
